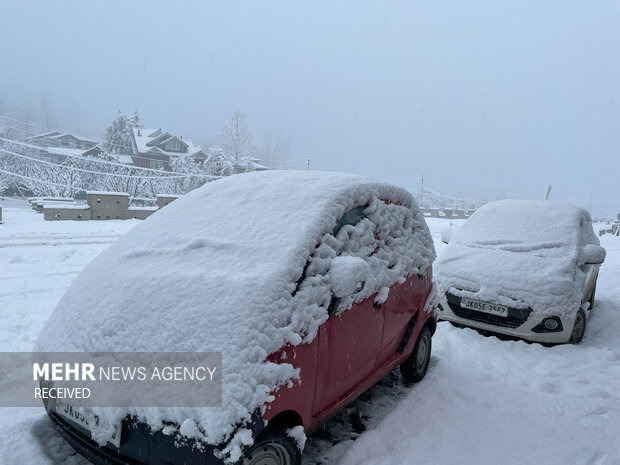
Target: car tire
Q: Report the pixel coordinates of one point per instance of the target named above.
(579, 328)
(274, 447)
(414, 368)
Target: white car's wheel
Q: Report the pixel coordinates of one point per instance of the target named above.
(579, 328)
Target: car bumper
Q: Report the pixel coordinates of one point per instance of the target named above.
(522, 326)
(139, 445)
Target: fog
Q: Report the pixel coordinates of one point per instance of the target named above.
(487, 99)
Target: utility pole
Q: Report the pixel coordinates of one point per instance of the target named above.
(422, 188)
(548, 192)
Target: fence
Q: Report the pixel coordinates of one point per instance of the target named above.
(98, 206)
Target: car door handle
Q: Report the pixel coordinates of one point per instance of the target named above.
(376, 306)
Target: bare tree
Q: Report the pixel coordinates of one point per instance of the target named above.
(274, 147)
(237, 139)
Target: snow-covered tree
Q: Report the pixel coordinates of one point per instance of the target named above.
(237, 140)
(118, 135)
(218, 163)
(6, 181)
(196, 172)
(134, 121)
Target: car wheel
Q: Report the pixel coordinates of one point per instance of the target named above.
(579, 328)
(414, 368)
(273, 447)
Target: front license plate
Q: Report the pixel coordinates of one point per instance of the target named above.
(76, 416)
(485, 307)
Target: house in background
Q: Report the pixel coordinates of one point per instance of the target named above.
(56, 147)
(60, 154)
(65, 140)
(153, 148)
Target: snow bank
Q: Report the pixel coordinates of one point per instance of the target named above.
(218, 270)
(520, 253)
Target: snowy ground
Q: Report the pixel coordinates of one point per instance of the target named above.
(483, 400)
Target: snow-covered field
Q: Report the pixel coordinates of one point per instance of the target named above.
(483, 400)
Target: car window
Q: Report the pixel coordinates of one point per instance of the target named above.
(351, 218)
(388, 236)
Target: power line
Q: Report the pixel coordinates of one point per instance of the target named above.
(41, 147)
(289, 160)
(23, 122)
(146, 199)
(47, 130)
(33, 179)
(106, 162)
(101, 173)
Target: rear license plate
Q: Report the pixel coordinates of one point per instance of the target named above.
(76, 416)
(485, 307)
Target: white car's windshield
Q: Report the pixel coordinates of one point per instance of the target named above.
(521, 226)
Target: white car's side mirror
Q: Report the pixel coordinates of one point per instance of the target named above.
(446, 235)
(348, 275)
(593, 254)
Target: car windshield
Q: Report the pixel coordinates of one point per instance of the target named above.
(521, 226)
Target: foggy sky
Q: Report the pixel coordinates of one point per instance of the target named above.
(489, 99)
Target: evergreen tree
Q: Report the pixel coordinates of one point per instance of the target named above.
(218, 163)
(118, 135)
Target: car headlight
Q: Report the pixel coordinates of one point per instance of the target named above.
(552, 324)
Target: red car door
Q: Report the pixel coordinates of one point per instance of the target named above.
(349, 340)
(348, 348)
(402, 302)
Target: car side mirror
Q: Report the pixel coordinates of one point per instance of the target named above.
(593, 254)
(348, 275)
(446, 235)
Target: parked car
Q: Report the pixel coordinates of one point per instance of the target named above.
(522, 268)
(312, 285)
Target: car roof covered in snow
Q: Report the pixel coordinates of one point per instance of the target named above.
(524, 222)
(215, 271)
(521, 253)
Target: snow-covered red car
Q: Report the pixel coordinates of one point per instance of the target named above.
(522, 268)
(312, 285)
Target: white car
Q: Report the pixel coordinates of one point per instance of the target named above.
(522, 268)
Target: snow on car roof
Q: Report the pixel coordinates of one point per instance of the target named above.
(519, 221)
(520, 253)
(214, 271)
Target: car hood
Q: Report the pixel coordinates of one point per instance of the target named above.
(541, 276)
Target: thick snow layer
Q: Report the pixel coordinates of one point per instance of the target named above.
(520, 253)
(217, 270)
(346, 273)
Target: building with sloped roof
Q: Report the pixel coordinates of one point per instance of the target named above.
(154, 148)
